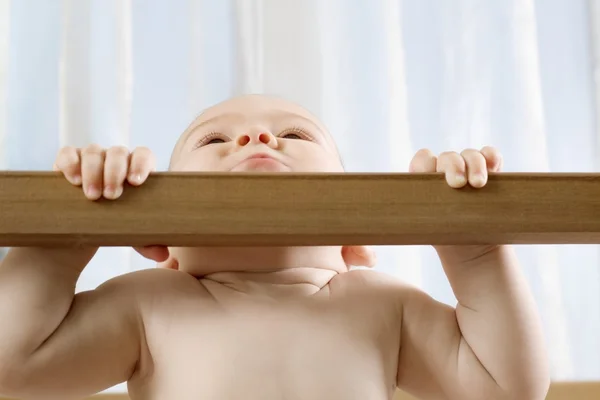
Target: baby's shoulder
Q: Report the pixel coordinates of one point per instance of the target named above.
(365, 277)
(157, 285)
(366, 281)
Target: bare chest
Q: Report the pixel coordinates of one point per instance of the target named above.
(318, 351)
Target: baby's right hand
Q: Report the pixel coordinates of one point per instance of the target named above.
(102, 172)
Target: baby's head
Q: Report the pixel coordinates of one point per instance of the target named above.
(258, 134)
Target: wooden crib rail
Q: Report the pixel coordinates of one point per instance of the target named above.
(558, 391)
(177, 209)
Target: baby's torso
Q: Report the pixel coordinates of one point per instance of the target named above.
(341, 343)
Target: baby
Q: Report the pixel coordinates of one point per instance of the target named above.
(265, 323)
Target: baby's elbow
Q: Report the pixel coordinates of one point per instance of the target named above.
(532, 383)
(533, 390)
(11, 381)
(521, 388)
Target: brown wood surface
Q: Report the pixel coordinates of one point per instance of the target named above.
(558, 391)
(42, 208)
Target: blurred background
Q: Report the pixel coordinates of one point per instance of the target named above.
(386, 76)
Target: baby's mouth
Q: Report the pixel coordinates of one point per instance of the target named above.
(261, 165)
(261, 162)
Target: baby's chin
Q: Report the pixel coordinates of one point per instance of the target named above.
(202, 261)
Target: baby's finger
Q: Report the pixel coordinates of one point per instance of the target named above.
(141, 164)
(493, 158)
(476, 167)
(156, 253)
(359, 256)
(453, 165)
(423, 161)
(116, 164)
(92, 171)
(68, 161)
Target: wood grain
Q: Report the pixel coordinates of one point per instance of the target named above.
(574, 391)
(558, 391)
(186, 209)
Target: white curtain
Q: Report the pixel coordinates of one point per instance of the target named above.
(387, 76)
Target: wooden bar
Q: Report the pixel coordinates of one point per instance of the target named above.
(558, 391)
(225, 209)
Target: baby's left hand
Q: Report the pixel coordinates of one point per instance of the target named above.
(470, 166)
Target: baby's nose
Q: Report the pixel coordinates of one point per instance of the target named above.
(258, 137)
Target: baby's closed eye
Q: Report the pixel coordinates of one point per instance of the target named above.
(217, 137)
(295, 133)
(211, 138)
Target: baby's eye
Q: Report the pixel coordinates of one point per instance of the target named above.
(291, 136)
(295, 133)
(216, 140)
(211, 138)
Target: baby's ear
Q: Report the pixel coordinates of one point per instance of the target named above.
(359, 256)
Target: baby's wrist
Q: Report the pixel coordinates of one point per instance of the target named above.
(67, 258)
(471, 255)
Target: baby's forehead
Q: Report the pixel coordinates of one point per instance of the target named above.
(255, 108)
(252, 108)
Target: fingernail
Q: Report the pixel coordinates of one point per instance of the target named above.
(92, 191)
(76, 179)
(109, 192)
(460, 179)
(135, 178)
(477, 180)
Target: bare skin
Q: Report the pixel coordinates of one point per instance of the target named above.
(265, 323)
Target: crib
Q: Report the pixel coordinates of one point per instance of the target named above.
(385, 209)
(558, 391)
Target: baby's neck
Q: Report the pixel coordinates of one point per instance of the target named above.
(278, 284)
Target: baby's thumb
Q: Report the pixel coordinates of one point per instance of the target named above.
(154, 253)
(359, 256)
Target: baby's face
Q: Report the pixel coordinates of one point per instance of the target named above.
(229, 137)
(256, 134)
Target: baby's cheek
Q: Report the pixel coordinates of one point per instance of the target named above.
(195, 164)
(311, 157)
(326, 162)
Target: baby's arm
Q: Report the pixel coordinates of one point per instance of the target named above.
(492, 345)
(55, 344)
